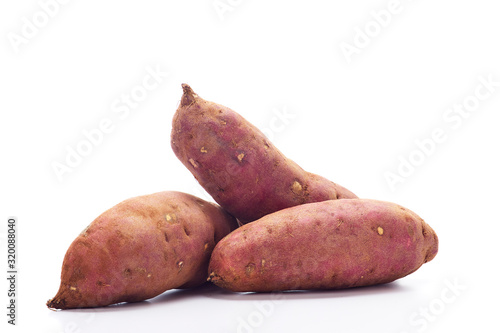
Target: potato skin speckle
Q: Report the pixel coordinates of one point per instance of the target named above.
(140, 248)
(332, 244)
(238, 166)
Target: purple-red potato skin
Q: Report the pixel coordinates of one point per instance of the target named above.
(238, 166)
(140, 248)
(326, 245)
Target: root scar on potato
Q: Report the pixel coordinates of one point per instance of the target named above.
(193, 163)
(249, 269)
(171, 217)
(296, 187)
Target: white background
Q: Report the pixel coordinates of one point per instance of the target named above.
(352, 119)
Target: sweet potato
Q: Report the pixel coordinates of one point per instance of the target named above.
(140, 248)
(327, 245)
(238, 166)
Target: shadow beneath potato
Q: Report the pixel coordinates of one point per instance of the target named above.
(210, 290)
(175, 295)
(113, 307)
(388, 288)
(171, 295)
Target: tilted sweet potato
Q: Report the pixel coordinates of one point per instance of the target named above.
(238, 166)
(140, 248)
(326, 245)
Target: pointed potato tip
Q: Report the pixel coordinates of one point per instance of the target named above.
(188, 96)
(213, 277)
(55, 303)
(186, 88)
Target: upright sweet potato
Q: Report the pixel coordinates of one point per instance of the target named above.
(140, 248)
(326, 245)
(238, 166)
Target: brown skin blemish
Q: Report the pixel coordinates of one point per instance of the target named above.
(102, 284)
(296, 188)
(410, 230)
(171, 218)
(193, 163)
(424, 231)
(249, 269)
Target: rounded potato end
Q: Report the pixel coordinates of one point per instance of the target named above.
(432, 240)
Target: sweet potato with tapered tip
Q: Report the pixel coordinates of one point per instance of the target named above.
(140, 248)
(326, 245)
(238, 166)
